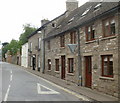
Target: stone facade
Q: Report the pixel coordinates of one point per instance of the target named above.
(95, 60)
(95, 49)
(24, 56)
(34, 52)
(55, 52)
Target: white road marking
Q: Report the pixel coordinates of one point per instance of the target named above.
(51, 91)
(11, 71)
(66, 90)
(6, 95)
(11, 77)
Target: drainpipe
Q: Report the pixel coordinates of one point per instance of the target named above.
(43, 52)
(79, 60)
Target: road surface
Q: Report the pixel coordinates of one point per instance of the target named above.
(20, 85)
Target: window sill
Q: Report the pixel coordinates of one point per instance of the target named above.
(109, 37)
(57, 72)
(107, 78)
(92, 41)
(71, 74)
(49, 70)
(62, 47)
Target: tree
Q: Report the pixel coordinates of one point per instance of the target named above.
(27, 30)
(16, 45)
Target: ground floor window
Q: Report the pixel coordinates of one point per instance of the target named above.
(107, 65)
(49, 64)
(57, 64)
(70, 65)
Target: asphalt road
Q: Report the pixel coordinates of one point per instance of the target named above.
(19, 85)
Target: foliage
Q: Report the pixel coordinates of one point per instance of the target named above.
(13, 47)
(27, 30)
(16, 45)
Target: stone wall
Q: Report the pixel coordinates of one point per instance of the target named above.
(56, 52)
(96, 48)
(35, 51)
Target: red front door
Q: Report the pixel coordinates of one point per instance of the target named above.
(62, 67)
(88, 70)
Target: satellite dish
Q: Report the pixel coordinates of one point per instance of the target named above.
(72, 47)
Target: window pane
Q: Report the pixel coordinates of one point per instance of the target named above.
(112, 27)
(71, 65)
(57, 64)
(105, 68)
(108, 66)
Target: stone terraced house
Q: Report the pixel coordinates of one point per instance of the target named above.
(82, 46)
(93, 30)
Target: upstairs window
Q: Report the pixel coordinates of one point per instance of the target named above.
(39, 43)
(48, 45)
(107, 65)
(90, 32)
(62, 41)
(73, 37)
(30, 46)
(109, 27)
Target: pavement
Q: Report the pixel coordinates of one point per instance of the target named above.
(87, 92)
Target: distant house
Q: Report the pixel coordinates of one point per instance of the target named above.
(0, 51)
(34, 51)
(24, 56)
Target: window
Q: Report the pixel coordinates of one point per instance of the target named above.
(49, 64)
(57, 64)
(70, 65)
(39, 43)
(53, 25)
(73, 37)
(107, 66)
(97, 6)
(62, 41)
(90, 33)
(86, 11)
(30, 46)
(48, 44)
(109, 27)
(70, 21)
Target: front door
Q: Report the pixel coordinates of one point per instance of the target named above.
(34, 62)
(88, 70)
(62, 67)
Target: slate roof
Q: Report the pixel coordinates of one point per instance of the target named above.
(75, 19)
(39, 29)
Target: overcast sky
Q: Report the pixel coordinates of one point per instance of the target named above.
(15, 13)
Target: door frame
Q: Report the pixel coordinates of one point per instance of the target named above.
(34, 61)
(88, 71)
(63, 66)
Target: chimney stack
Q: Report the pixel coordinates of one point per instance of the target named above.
(44, 21)
(71, 5)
